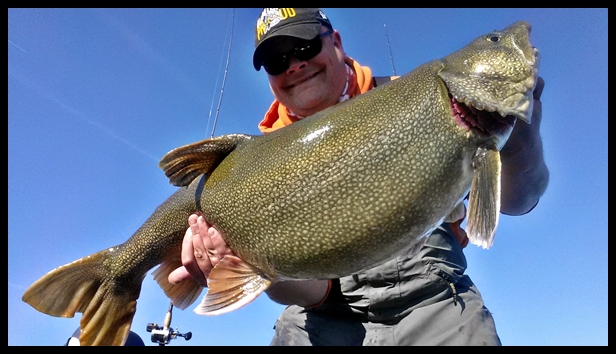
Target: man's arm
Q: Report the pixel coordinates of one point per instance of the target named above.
(524, 174)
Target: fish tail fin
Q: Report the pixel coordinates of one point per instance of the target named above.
(232, 284)
(108, 317)
(81, 286)
(484, 198)
(182, 294)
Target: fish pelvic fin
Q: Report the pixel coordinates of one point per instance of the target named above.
(484, 198)
(232, 284)
(81, 286)
(183, 164)
(182, 294)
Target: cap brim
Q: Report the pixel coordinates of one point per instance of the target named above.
(298, 30)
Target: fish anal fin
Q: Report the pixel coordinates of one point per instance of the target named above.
(182, 294)
(232, 284)
(183, 164)
(484, 199)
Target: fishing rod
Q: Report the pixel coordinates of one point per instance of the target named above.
(162, 335)
(391, 56)
(224, 78)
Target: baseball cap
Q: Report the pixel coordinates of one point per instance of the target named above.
(302, 23)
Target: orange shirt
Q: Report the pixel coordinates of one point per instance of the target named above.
(277, 116)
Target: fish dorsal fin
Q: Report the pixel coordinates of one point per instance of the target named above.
(232, 284)
(484, 199)
(182, 165)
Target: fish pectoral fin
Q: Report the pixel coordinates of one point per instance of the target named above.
(182, 294)
(232, 284)
(183, 164)
(484, 199)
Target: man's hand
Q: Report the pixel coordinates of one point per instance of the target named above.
(459, 233)
(524, 174)
(202, 248)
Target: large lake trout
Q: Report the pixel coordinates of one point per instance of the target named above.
(330, 195)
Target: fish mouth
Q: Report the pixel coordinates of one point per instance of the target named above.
(480, 121)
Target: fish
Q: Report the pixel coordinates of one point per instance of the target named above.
(333, 194)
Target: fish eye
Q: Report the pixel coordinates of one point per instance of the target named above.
(493, 37)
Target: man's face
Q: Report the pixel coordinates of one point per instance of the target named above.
(308, 87)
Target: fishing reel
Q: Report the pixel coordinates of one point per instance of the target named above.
(162, 335)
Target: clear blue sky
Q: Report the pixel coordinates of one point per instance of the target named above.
(97, 96)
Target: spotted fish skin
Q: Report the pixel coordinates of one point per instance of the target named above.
(332, 194)
(344, 189)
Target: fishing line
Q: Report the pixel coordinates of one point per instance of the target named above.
(224, 79)
(391, 56)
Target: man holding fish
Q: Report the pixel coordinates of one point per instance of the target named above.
(424, 299)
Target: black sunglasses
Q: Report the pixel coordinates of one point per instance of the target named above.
(278, 63)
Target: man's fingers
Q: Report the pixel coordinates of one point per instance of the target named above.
(188, 261)
(220, 247)
(201, 239)
(202, 249)
(199, 266)
(538, 88)
(459, 233)
(187, 253)
(179, 275)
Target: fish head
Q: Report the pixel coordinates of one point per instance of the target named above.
(491, 81)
